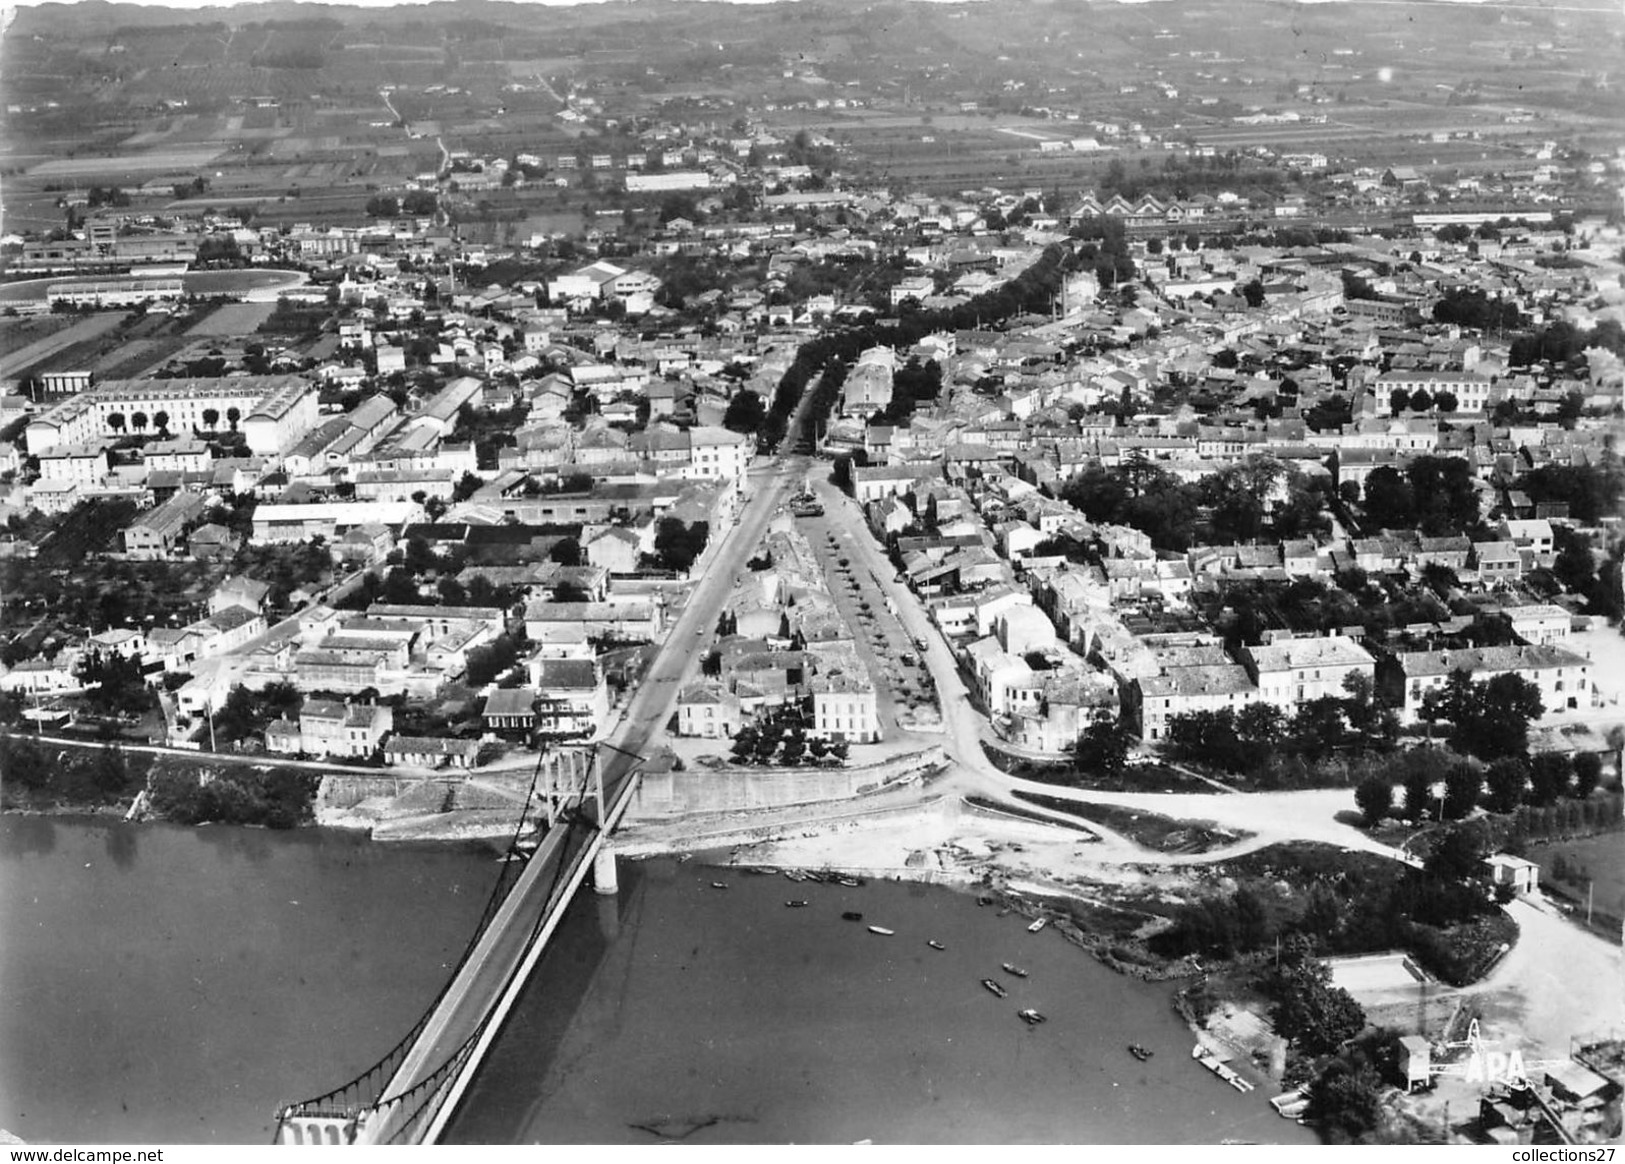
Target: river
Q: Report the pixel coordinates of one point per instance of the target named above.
(161, 984)
(166, 984)
(683, 1012)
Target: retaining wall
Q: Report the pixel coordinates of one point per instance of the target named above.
(703, 790)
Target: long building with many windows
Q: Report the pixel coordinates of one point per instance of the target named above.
(273, 412)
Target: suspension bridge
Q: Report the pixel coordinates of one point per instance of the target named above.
(575, 799)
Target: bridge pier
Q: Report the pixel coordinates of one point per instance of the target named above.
(604, 878)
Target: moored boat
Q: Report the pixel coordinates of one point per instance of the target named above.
(936, 945)
(1016, 970)
(997, 989)
(882, 931)
(1038, 925)
(1139, 1052)
(1031, 1017)
(794, 904)
(851, 915)
(719, 885)
(850, 882)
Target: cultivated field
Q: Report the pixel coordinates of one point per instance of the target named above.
(234, 319)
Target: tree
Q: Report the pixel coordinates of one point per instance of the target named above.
(745, 413)
(112, 774)
(233, 415)
(1587, 773)
(1459, 854)
(1311, 1013)
(115, 421)
(1418, 793)
(1421, 400)
(1253, 292)
(1498, 724)
(1463, 785)
(678, 543)
(1344, 1102)
(1398, 401)
(1317, 728)
(138, 421)
(1103, 746)
(1375, 798)
(211, 418)
(1261, 726)
(160, 421)
(1389, 502)
(1506, 779)
(1549, 778)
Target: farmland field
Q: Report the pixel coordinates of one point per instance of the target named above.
(233, 319)
(50, 347)
(174, 159)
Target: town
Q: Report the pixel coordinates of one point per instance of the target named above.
(1166, 463)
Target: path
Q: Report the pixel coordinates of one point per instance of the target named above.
(1558, 980)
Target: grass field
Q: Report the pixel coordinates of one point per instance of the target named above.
(1598, 860)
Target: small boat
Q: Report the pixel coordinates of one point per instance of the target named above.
(794, 904)
(850, 882)
(1031, 1017)
(995, 987)
(851, 915)
(1038, 925)
(936, 945)
(794, 875)
(719, 885)
(1016, 970)
(882, 931)
(1139, 1052)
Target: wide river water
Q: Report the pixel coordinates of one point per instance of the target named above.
(160, 984)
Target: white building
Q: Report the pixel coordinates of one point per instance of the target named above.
(1564, 678)
(1299, 671)
(273, 412)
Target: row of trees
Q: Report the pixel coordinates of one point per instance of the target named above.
(1421, 401)
(1033, 290)
(1499, 787)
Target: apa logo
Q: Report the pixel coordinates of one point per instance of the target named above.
(1487, 1064)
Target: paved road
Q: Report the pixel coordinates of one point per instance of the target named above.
(1270, 816)
(503, 948)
